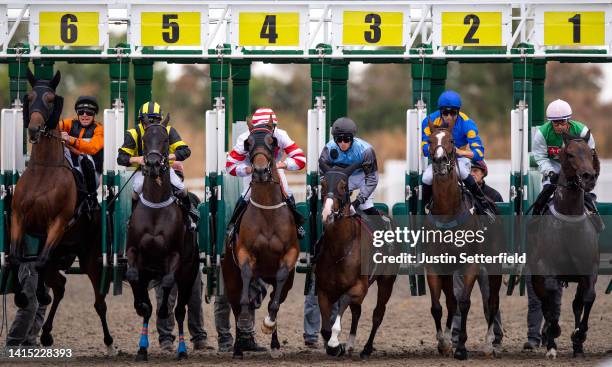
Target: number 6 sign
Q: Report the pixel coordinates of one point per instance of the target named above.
(66, 26)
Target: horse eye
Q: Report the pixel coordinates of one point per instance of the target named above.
(49, 97)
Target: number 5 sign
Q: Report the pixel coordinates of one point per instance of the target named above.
(177, 25)
(284, 26)
(63, 26)
(484, 25)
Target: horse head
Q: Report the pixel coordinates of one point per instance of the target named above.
(335, 191)
(156, 147)
(41, 106)
(441, 149)
(261, 145)
(579, 162)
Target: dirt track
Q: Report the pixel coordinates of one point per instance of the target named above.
(406, 336)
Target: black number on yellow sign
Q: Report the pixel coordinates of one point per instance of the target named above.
(575, 20)
(372, 36)
(475, 23)
(172, 35)
(68, 31)
(268, 30)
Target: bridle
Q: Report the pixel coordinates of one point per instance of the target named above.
(343, 200)
(46, 109)
(256, 139)
(164, 161)
(452, 156)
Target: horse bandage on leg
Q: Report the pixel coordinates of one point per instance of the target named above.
(144, 336)
(336, 329)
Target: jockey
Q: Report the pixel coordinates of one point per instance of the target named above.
(468, 147)
(547, 142)
(238, 164)
(346, 149)
(131, 154)
(83, 137)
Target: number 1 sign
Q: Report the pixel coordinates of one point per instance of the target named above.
(572, 25)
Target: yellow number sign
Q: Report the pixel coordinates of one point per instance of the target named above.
(471, 29)
(170, 29)
(269, 29)
(585, 28)
(69, 29)
(373, 28)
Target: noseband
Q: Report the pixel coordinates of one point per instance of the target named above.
(452, 158)
(164, 162)
(259, 139)
(344, 200)
(46, 109)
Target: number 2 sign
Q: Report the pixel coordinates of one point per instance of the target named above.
(483, 26)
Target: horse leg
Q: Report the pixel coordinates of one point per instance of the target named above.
(355, 315)
(246, 274)
(143, 306)
(55, 231)
(131, 274)
(16, 251)
(495, 282)
(57, 282)
(464, 307)
(586, 292)
(184, 293)
(167, 283)
(333, 346)
(385, 288)
(551, 328)
(325, 306)
(284, 281)
(451, 308)
(435, 289)
(94, 272)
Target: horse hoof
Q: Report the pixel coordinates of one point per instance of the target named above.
(578, 337)
(112, 350)
(238, 355)
(141, 356)
(551, 354)
(21, 300)
(43, 299)
(275, 353)
(268, 328)
(365, 355)
(46, 339)
(337, 351)
(181, 356)
(461, 354)
(445, 350)
(579, 354)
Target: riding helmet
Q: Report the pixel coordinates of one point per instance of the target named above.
(151, 109)
(449, 99)
(344, 126)
(558, 110)
(86, 103)
(263, 115)
(482, 165)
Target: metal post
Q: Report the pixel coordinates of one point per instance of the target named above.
(219, 86)
(241, 100)
(119, 70)
(143, 79)
(320, 75)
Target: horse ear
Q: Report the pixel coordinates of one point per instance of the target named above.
(587, 137)
(270, 123)
(56, 79)
(452, 125)
(349, 170)
(249, 124)
(145, 119)
(596, 164)
(430, 124)
(31, 78)
(566, 138)
(166, 119)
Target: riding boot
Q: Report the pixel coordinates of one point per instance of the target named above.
(540, 203)
(238, 210)
(591, 205)
(297, 216)
(89, 175)
(190, 212)
(487, 206)
(427, 194)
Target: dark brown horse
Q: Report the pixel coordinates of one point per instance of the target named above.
(44, 205)
(565, 247)
(159, 247)
(267, 247)
(343, 272)
(450, 210)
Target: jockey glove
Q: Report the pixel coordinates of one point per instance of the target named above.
(357, 202)
(554, 177)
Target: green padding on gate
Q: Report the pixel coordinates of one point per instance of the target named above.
(382, 207)
(534, 186)
(304, 242)
(605, 238)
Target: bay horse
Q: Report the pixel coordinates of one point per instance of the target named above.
(565, 244)
(266, 247)
(344, 270)
(159, 246)
(44, 205)
(452, 210)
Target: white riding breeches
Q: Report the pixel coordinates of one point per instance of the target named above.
(246, 181)
(68, 156)
(464, 167)
(175, 180)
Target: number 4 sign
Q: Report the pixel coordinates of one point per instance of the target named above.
(283, 26)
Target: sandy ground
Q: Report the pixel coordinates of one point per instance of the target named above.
(406, 337)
